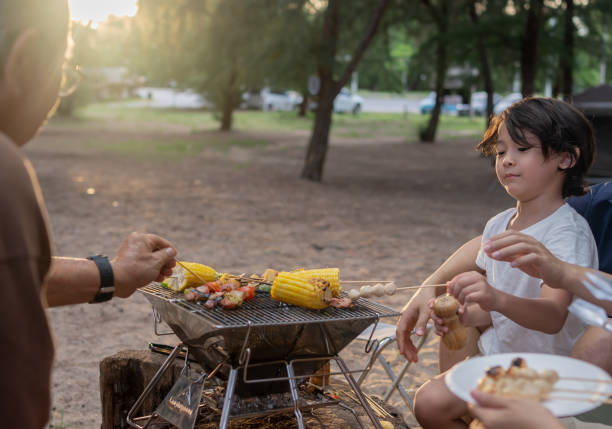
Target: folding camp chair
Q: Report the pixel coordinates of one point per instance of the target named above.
(384, 335)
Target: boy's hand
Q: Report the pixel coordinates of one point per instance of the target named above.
(473, 287)
(527, 254)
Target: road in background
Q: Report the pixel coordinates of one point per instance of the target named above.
(170, 98)
(390, 105)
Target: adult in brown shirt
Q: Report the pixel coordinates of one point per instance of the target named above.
(33, 40)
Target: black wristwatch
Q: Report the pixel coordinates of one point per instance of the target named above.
(107, 280)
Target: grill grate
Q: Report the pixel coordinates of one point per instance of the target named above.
(264, 311)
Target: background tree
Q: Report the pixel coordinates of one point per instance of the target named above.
(330, 86)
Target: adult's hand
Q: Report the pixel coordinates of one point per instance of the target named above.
(415, 315)
(142, 258)
(527, 254)
(497, 412)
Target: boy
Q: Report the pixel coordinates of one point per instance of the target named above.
(542, 148)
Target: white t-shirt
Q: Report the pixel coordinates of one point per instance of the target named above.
(567, 235)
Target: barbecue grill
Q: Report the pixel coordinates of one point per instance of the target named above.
(264, 343)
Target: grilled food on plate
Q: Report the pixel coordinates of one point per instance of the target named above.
(518, 380)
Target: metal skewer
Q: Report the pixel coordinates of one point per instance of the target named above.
(590, 380)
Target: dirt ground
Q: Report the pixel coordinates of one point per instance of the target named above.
(386, 209)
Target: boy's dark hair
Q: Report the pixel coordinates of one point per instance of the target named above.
(560, 127)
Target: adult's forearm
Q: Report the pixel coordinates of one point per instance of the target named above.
(573, 278)
(71, 281)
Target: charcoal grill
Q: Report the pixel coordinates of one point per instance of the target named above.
(265, 343)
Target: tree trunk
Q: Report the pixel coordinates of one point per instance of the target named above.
(303, 107)
(567, 53)
(428, 135)
(529, 48)
(485, 68)
(440, 16)
(319, 140)
(229, 103)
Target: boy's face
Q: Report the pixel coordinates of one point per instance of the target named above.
(524, 171)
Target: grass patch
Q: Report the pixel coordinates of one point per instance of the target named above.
(173, 149)
(373, 126)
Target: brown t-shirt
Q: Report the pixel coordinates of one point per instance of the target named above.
(26, 354)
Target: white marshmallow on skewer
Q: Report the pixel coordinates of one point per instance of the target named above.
(378, 289)
(353, 294)
(390, 288)
(365, 291)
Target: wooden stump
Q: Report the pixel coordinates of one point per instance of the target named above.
(124, 376)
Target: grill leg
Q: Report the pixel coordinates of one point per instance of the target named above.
(227, 402)
(150, 386)
(295, 396)
(351, 381)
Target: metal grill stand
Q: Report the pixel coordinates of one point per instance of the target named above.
(260, 334)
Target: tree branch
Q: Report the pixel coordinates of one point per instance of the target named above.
(363, 45)
(432, 10)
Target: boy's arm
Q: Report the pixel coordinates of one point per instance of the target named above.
(475, 316)
(546, 313)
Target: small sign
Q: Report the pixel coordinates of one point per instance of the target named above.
(180, 406)
(314, 84)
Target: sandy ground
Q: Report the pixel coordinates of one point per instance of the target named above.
(385, 209)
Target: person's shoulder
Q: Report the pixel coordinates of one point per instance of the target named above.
(595, 195)
(498, 223)
(567, 225)
(502, 216)
(567, 215)
(601, 191)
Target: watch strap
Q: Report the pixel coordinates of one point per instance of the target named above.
(107, 280)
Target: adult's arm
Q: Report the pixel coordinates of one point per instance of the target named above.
(142, 258)
(532, 257)
(415, 313)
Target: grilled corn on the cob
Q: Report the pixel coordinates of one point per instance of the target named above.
(332, 275)
(182, 279)
(304, 292)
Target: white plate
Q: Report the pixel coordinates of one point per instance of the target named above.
(464, 377)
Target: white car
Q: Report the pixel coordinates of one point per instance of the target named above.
(478, 102)
(347, 102)
(506, 102)
(269, 100)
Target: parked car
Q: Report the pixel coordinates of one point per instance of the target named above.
(506, 102)
(346, 102)
(478, 102)
(450, 104)
(269, 100)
